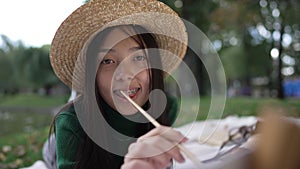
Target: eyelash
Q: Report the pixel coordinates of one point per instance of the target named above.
(104, 61)
(137, 58)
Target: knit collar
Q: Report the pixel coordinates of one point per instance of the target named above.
(125, 124)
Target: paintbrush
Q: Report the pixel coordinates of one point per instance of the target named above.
(188, 153)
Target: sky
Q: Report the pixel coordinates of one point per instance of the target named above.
(34, 22)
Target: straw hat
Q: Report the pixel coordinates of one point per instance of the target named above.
(67, 49)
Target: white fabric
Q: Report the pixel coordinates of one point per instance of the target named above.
(37, 165)
(205, 138)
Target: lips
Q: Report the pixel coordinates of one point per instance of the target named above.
(132, 92)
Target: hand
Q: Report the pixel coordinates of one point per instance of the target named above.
(155, 150)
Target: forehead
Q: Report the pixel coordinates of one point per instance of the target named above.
(116, 36)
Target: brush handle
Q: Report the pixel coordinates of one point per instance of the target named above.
(150, 118)
(188, 153)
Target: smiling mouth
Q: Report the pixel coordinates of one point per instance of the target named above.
(131, 92)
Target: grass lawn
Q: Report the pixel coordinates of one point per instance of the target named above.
(32, 100)
(22, 149)
(240, 106)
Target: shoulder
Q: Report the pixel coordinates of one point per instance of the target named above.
(67, 112)
(172, 102)
(67, 122)
(69, 134)
(172, 107)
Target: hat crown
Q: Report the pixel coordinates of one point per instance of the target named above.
(78, 29)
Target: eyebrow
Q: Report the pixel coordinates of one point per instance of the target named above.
(132, 49)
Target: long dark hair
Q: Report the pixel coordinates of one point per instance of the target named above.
(89, 154)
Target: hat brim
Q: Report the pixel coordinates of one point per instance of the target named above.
(74, 34)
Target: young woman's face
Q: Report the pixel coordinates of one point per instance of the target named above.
(123, 67)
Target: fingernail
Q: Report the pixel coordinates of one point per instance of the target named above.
(184, 140)
(181, 159)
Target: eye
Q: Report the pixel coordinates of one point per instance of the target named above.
(139, 58)
(107, 61)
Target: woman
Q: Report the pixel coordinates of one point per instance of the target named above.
(119, 57)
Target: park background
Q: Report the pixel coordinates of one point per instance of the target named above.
(258, 42)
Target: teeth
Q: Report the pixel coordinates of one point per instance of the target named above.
(132, 91)
(129, 92)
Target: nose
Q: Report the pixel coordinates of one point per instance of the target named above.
(124, 72)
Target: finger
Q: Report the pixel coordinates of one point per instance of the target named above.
(176, 154)
(159, 161)
(160, 165)
(166, 132)
(155, 146)
(166, 147)
(137, 164)
(143, 149)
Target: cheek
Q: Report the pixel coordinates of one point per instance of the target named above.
(104, 83)
(144, 79)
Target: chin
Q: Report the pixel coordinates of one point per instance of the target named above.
(126, 109)
(127, 113)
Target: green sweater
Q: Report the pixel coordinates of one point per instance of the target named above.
(69, 132)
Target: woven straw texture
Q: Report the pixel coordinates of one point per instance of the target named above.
(67, 54)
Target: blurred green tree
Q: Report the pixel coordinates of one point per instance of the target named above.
(259, 27)
(12, 77)
(6, 70)
(280, 28)
(23, 68)
(198, 13)
(38, 69)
